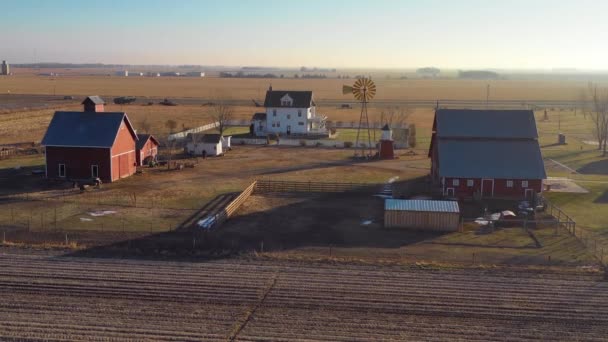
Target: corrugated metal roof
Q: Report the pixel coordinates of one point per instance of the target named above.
(495, 124)
(83, 129)
(487, 158)
(422, 205)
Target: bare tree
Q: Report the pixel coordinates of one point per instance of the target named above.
(171, 125)
(395, 116)
(144, 125)
(221, 113)
(599, 115)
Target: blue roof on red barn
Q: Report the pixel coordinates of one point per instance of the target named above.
(487, 158)
(85, 129)
(479, 123)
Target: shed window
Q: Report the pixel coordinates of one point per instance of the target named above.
(61, 170)
(301, 123)
(470, 183)
(274, 112)
(299, 113)
(94, 171)
(524, 184)
(456, 182)
(509, 184)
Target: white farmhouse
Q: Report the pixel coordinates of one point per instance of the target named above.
(289, 112)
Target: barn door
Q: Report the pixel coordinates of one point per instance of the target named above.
(487, 187)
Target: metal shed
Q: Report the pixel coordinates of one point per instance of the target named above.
(422, 214)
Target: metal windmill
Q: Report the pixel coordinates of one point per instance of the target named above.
(364, 90)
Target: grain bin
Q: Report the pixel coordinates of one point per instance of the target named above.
(422, 214)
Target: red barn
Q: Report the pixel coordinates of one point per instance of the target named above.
(146, 148)
(93, 143)
(488, 153)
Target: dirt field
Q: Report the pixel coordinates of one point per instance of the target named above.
(49, 297)
(350, 227)
(213, 87)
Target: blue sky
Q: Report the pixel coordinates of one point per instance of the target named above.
(333, 33)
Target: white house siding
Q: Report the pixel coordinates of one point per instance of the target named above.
(198, 148)
(287, 117)
(259, 127)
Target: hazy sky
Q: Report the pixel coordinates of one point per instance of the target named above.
(373, 33)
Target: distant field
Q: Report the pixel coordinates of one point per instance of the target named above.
(246, 89)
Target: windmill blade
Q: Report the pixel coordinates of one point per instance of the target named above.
(347, 89)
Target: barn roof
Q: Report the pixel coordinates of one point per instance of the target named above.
(475, 123)
(422, 205)
(259, 116)
(301, 99)
(142, 139)
(489, 158)
(95, 99)
(85, 129)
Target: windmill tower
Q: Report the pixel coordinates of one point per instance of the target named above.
(364, 90)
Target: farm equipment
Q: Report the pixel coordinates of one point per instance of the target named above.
(167, 102)
(124, 100)
(85, 183)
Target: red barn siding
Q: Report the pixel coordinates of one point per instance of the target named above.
(150, 149)
(123, 154)
(78, 161)
(462, 190)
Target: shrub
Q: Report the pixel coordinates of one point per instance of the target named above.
(302, 142)
(318, 144)
(348, 144)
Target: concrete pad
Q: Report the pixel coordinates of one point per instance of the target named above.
(562, 184)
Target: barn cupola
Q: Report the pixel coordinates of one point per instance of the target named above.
(93, 104)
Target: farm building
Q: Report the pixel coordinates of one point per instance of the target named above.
(422, 214)
(289, 112)
(206, 144)
(486, 153)
(146, 149)
(90, 144)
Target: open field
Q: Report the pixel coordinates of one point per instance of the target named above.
(49, 297)
(212, 87)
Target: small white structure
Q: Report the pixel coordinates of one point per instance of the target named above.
(289, 112)
(259, 124)
(6, 70)
(226, 143)
(124, 73)
(205, 144)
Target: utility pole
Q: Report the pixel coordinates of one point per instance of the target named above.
(487, 95)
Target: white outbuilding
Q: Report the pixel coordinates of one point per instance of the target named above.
(206, 144)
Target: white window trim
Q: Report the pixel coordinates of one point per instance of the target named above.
(59, 170)
(455, 182)
(509, 184)
(524, 184)
(470, 183)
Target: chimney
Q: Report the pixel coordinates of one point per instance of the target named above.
(93, 104)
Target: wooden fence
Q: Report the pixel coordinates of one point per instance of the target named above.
(233, 206)
(591, 240)
(266, 186)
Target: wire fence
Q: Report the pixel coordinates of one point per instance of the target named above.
(593, 241)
